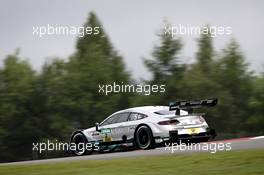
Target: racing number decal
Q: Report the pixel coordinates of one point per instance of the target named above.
(106, 132)
(107, 138)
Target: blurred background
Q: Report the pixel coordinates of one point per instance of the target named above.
(49, 84)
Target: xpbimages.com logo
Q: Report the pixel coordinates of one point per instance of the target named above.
(64, 30)
(181, 29)
(63, 146)
(146, 89)
(211, 147)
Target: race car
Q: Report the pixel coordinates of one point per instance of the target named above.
(146, 126)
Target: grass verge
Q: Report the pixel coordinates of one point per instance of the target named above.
(246, 162)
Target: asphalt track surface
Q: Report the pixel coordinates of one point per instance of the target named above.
(235, 144)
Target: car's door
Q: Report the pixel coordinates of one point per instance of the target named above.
(121, 127)
(125, 126)
(112, 129)
(105, 133)
(133, 122)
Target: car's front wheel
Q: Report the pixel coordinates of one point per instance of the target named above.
(80, 141)
(144, 138)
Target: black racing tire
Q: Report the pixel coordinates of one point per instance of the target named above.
(80, 142)
(213, 133)
(144, 138)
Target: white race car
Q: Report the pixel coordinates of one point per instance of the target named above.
(145, 127)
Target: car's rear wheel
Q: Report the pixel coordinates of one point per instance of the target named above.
(80, 142)
(144, 138)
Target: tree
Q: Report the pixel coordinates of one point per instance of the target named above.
(52, 102)
(198, 79)
(94, 63)
(17, 121)
(235, 81)
(165, 62)
(205, 53)
(255, 121)
(166, 68)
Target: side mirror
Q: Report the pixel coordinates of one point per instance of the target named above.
(97, 127)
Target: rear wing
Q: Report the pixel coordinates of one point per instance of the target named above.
(189, 105)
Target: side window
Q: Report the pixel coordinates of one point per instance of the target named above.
(110, 120)
(117, 118)
(133, 117)
(123, 117)
(136, 116)
(141, 116)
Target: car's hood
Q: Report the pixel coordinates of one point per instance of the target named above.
(90, 129)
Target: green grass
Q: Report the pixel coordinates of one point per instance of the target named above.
(235, 162)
